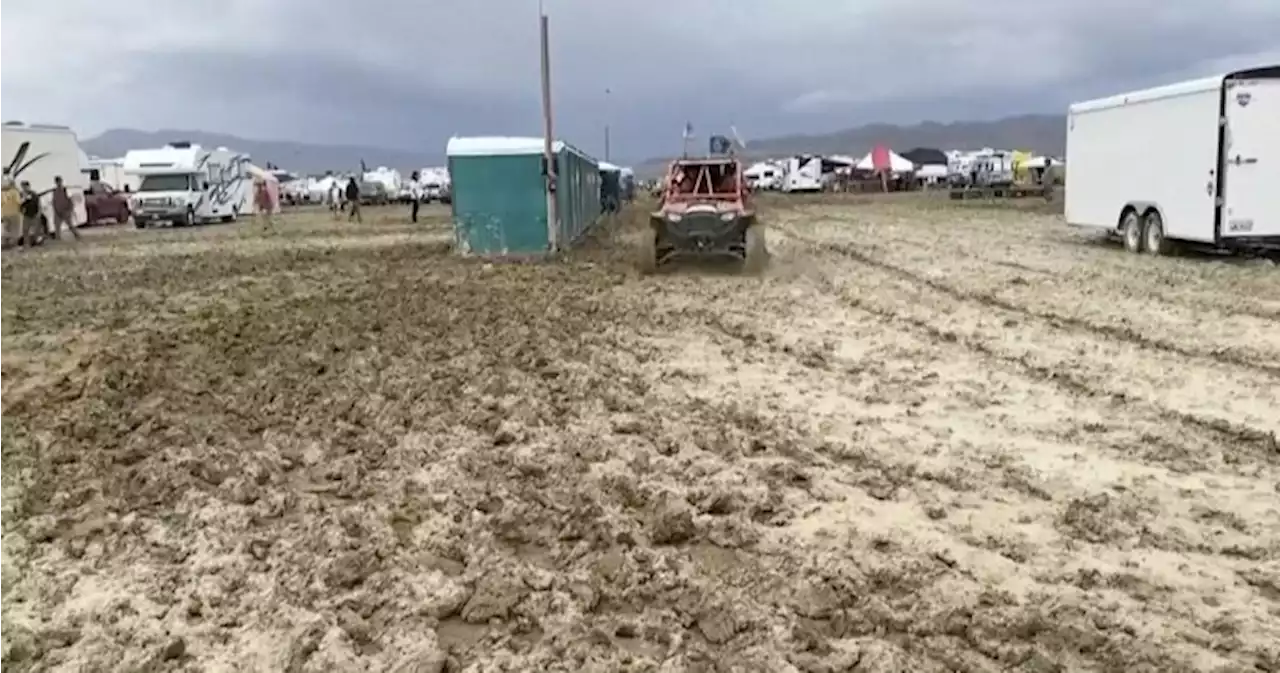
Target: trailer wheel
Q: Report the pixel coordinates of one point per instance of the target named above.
(1153, 235)
(1131, 231)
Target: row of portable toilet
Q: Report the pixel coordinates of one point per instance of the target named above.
(500, 197)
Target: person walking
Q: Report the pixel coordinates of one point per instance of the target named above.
(415, 194)
(263, 203)
(12, 212)
(32, 227)
(353, 200)
(64, 210)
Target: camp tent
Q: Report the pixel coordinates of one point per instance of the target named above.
(894, 162)
(925, 156)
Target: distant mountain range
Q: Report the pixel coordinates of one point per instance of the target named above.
(1038, 133)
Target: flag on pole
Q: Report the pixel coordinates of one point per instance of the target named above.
(688, 130)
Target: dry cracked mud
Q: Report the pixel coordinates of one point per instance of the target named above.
(933, 437)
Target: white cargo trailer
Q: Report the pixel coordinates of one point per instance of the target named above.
(1193, 163)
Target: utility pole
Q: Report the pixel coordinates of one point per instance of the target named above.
(607, 111)
(553, 215)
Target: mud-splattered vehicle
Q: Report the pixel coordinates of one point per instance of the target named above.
(706, 211)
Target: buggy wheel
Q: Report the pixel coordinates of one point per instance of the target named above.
(757, 255)
(647, 261)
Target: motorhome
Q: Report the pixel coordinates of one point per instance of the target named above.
(435, 184)
(389, 178)
(763, 176)
(185, 184)
(802, 173)
(1194, 163)
(37, 153)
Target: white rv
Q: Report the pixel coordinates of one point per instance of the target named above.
(435, 184)
(185, 184)
(802, 173)
(1196, 162)
(389, 178)
(763, 176)
(36, 153)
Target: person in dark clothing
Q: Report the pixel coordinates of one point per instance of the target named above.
(32, 227)
(64, 210)
(353, 199)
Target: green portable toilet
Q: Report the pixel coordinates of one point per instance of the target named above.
(610, 187)
(499, 195)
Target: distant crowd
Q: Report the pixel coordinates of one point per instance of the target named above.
(23, 225)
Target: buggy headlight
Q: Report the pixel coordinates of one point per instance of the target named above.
(727, 217)
(673, 217)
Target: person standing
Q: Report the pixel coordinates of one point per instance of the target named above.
(64, 210)
(12, 212)
(32, 227)
(335, 198)
(353, 200)
(415, 194)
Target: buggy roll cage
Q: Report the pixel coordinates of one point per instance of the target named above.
(703, 187)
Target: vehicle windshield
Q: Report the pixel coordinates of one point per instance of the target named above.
(168, 183)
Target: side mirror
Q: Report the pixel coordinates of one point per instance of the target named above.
(206, 186)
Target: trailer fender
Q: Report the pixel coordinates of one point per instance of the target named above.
(1139, 207)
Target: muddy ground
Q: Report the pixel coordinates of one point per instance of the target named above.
(934, 437)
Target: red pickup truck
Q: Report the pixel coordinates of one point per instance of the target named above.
(103, 202)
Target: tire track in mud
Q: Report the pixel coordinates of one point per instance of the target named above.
(816, 360)
(805, 462)
(1255, 312)
(1260, 441)
(1222, 355)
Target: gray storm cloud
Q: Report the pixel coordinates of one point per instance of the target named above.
(406, 71)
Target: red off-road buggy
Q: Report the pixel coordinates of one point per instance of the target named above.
(706, 211)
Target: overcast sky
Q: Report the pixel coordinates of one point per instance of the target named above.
(410, 73)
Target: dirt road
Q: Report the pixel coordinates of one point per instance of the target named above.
(934, 437)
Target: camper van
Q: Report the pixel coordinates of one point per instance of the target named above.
(185, 184)
(36, 153)
(803, 174)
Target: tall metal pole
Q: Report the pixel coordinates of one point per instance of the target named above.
(553, 215)
(607, 111)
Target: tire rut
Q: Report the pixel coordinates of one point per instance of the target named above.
(1223, 355)
(1261, 442)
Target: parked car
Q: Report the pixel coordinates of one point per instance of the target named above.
(373, 194)
(102, 202)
